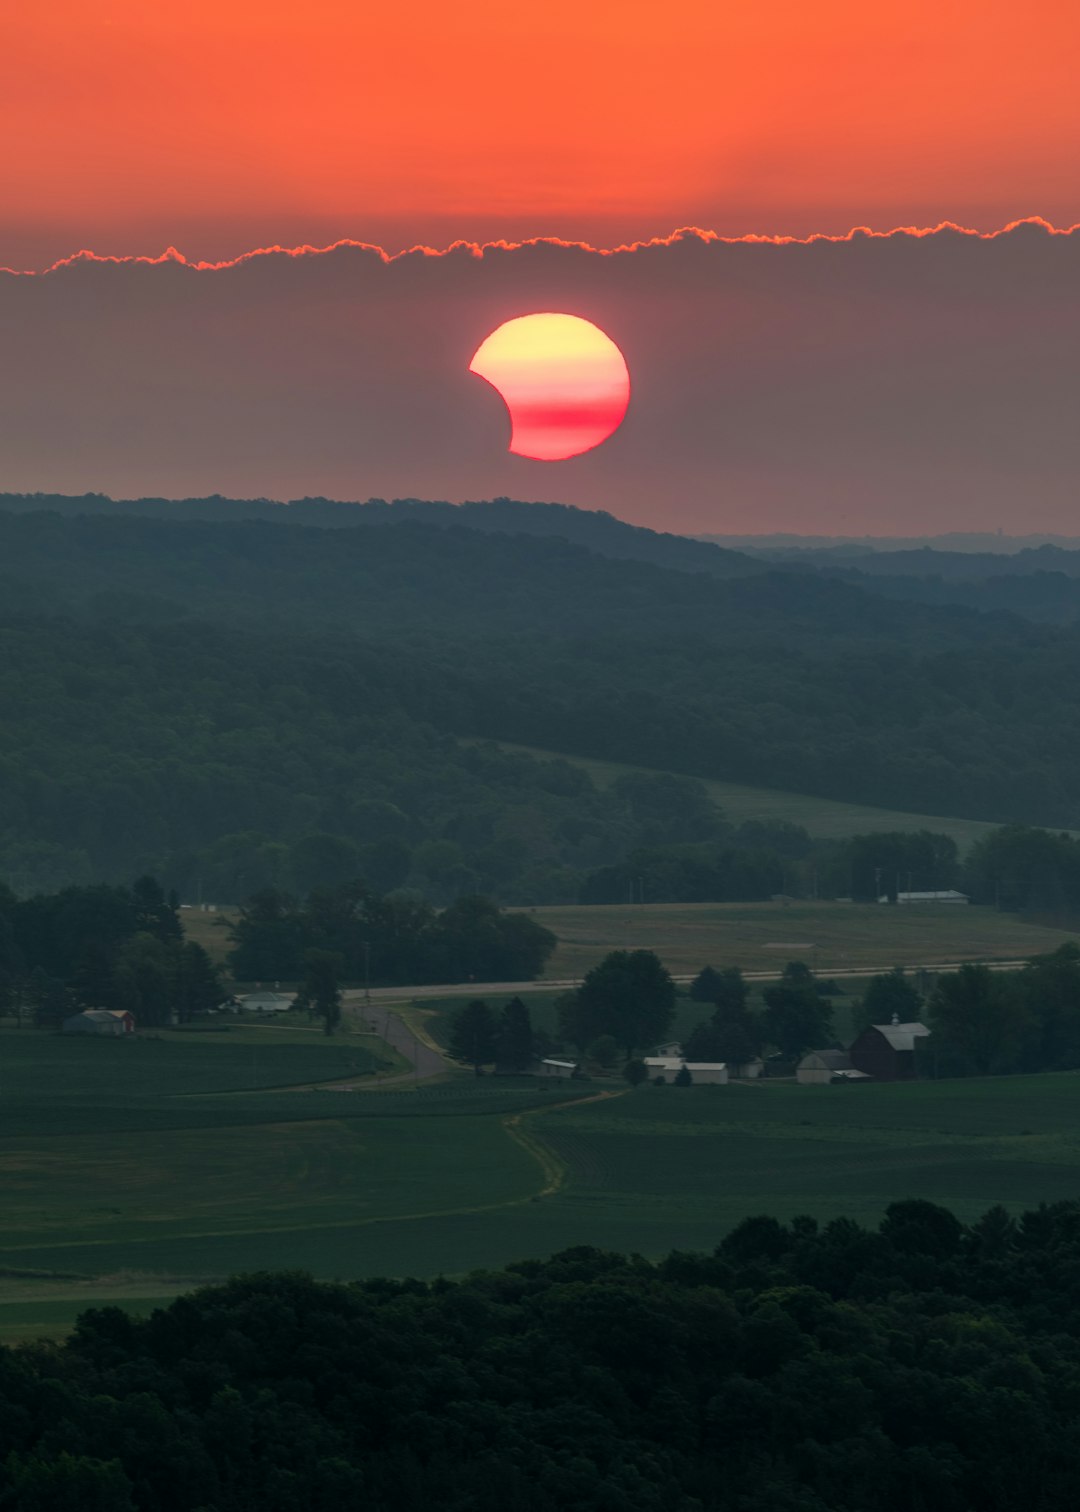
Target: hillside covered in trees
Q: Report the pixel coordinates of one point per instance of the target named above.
(925, 1365)
(234, 703)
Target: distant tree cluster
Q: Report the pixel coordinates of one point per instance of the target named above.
(629, 997)
(480, 1037)
(925, 1364)
(384, 938)
(991, 1022)
(983, 1021)
(101, 947)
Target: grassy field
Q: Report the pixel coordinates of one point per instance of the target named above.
(830, 937)
(760, 937)
(210, 930)
(824, 818)
(132, 1171)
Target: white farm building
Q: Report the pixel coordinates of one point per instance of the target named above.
(703, 1073)
(946, 895)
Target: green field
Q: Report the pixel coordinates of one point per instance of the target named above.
(830, 937)
(131, 1171)
(824, 818)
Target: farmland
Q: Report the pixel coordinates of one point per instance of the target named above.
(129, 1172)
(760, 937)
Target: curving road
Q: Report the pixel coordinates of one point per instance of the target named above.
(425, 1061)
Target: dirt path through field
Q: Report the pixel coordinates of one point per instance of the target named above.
(552, 1166)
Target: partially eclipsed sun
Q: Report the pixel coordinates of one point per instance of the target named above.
(564, 382)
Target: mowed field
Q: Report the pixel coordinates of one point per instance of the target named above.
(128, 1177)
(760, 937)
(824, 818)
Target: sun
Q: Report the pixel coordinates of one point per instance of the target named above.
(564, 382)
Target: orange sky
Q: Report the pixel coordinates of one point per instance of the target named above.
(221, 124)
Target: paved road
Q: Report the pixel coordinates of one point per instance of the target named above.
(390, 1027)
(381, 997)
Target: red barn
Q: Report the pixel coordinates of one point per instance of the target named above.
(887, 1051)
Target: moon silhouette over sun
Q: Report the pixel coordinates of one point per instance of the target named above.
(564, 382)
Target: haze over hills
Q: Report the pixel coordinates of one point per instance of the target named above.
(958, 540)
(192, 689)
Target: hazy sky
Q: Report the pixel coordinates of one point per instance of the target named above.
(885, 385)
(889, 385)
(217, 126)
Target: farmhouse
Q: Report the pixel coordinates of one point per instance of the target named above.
(887, 1051)
(108, 1021)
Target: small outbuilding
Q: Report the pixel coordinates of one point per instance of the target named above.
(264, 1002)
(819, 1068)
(112, 1022)
(667, 1067)
(943, 895)
(707, 1073)
(887, 1051)
(561, 1070)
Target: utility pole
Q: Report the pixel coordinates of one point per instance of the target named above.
(877, 883)
(367, 974)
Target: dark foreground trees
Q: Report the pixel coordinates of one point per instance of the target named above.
(923, 1365)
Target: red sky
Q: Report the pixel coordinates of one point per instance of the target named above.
(219, 125)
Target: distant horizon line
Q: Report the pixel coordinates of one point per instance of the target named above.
(477, 249)
(717, 537)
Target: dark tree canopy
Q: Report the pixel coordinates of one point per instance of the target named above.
(474, 1035)
(514, 1037)
(629, 995)
(797, 1017)
(797, 1367)
(891, 994)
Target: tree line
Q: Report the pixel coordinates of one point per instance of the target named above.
(385, 938)
(322, 744)
(983, 1022)
(799, 1367)
(118, 948)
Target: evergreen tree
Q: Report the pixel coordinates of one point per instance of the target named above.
(154, 914)
(198, 982)
(472, 1035)
(705, 988)
(514, 1037)
(321, 988)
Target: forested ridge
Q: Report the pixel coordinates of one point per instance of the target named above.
(925, 1365)
(169, 685)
